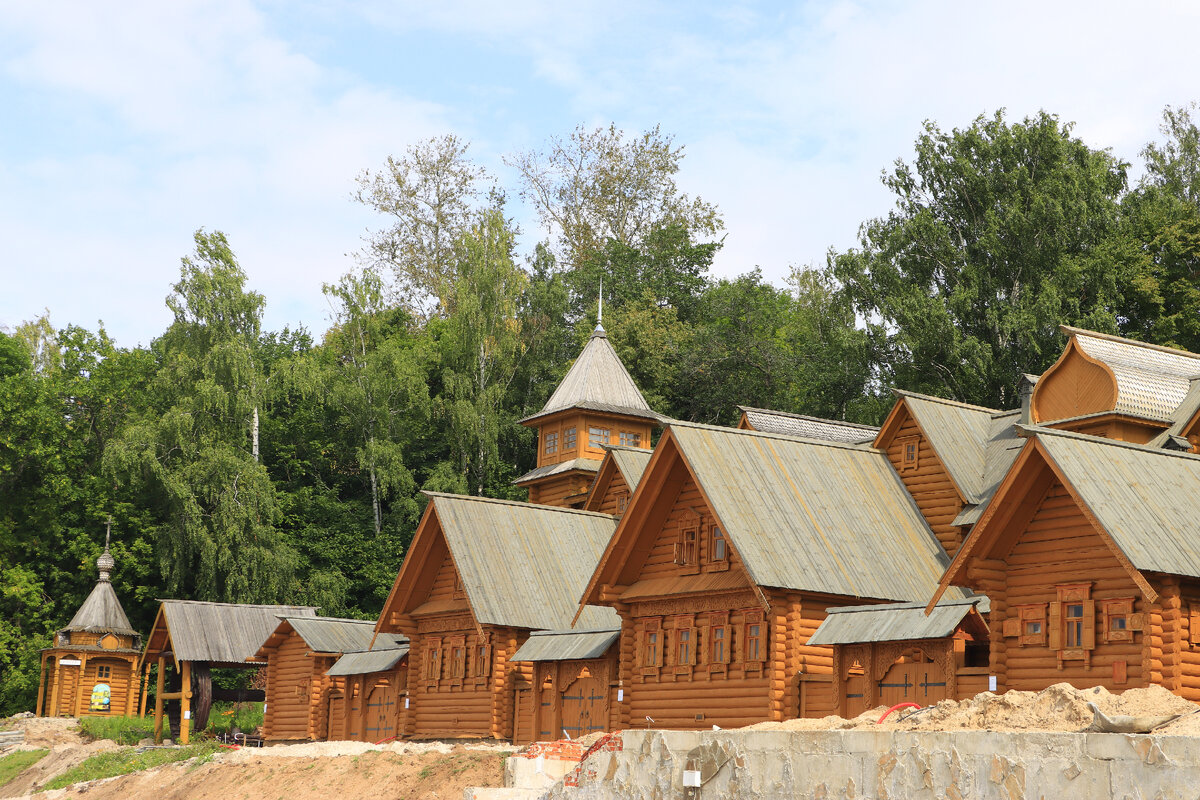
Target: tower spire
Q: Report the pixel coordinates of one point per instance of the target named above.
(106, 562)
(600, 311)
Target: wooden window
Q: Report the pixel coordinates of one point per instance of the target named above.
(651, 643)
(569, 438)
(458, 660)
(433, 660)
(685, 646)
(1072, 629)
(910, 450)
(1194, 622)
(1116, 614)
(103, 671)
(629, 439)
(1028, 624)
(718, 549)
(551, 443)
(622, 502)
(458, 593)
(718, 644)
(756, 648)
(687, 549)
(598, 437)
(481, 664)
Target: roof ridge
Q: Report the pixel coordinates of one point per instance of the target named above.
(329, 619)
(862, 447)
(810, 417)
(626, 448)
(516, 503)
(232, 605)
(1175, 351)
(908, 606)
(1101, 440)
(946, 401)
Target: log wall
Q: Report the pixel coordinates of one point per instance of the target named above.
(929, 484)
(292, 692)
(617, 487)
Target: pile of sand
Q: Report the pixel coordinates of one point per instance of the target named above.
(1060, 707)
(43, 732)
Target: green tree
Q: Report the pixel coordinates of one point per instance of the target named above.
(191, 453)
(430, 195)
(482, 346)
(599, 185)
(1001, 232)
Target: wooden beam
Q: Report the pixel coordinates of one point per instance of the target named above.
(158, 702)
(83, 659)
(55, 692)
(145, 670)
(185, 703)
(37, 711)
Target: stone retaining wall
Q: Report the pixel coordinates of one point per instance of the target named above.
(764, 765)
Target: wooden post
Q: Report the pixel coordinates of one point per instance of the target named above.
(158, 702)
(79, 694)
(37, 712)
(145, 670)
(130, 700)
(57, 688)
(185, 702)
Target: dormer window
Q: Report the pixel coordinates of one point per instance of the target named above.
(551, 443)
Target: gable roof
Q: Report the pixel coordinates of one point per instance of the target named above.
(802, 514)
(766, 420)
(1152, 381)
(597, 381)
(565, 645)
(1181, 417)
(1144, 501)
(898, 622)
(323, 634)
(959, 433)
(228, 633)
(631, 462)
(521, 565)
(379, 659)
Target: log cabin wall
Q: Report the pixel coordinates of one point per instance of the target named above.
(67, 690)
(1068, 610)
(1186, 644)
(927, 481)
(616, 496)
(565, 491)
(290, 691)
(1112, 426)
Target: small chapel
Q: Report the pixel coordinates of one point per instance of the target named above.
(92, 667)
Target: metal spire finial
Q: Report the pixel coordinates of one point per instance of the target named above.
(106, 562)
(600, 311)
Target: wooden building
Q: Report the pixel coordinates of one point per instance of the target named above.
(92, 669)
(570, 692)
(618, 477)
(1088, 555)
(734, 544)
(368, 698)
(298, 655)
(765, 420)
(190, 638)
(479, 577)
(896, 653)
(596, 404)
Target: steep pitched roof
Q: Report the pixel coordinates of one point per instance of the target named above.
(631, 462)
(101, 612)
(899, 622)
(959, 433)
(323, 634)
(521, 565)
(802, 514)
(1152, 381)
(597, 381)
(766, 420)
(1144, 501)
(228, 633)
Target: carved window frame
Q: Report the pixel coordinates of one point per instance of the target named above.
(718, 663)
(910, 453)
(684, 643)
(717, 539)
(458, 659)
(1117, 619)
(1073, 594)
(650, 646)
(432, 667)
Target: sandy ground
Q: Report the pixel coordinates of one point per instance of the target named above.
(1060, 707)
(313, 771)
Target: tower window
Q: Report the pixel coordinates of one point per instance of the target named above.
(598, 437)
(631, 439)
(551, 443)
(569, 439)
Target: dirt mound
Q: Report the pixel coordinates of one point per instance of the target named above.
(60, 758)
(1060, 707)
(43, 732)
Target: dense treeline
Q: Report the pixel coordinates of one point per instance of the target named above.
(240, 464)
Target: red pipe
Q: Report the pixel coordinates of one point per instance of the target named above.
(388, 739)
(893, 708)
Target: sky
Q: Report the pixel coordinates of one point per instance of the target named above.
(128, 125)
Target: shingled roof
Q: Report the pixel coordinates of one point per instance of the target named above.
(631, 462)
(101, 612)
(323, 634)
(228, 633)
(766, 420)
(524, 565)
(1152, 381)
(597, 381)
(809, 515)
(898, 622)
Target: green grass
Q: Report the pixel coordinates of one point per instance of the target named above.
(224, 716)
(14, 764)
(122, 730)
(123, 762)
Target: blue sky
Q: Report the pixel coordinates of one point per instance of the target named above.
(128, 125)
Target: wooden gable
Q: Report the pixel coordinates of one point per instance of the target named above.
(669, 541)
(924, 475)
(1075, 385)
(427, 582)
(609, 493)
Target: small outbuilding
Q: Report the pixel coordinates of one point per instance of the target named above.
(92, 668)
(368, 695)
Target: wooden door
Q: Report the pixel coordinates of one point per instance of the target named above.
(856, 696)
(919, 682)
(381, 714)
(585, 703)
(337, 717)
(523, 725)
